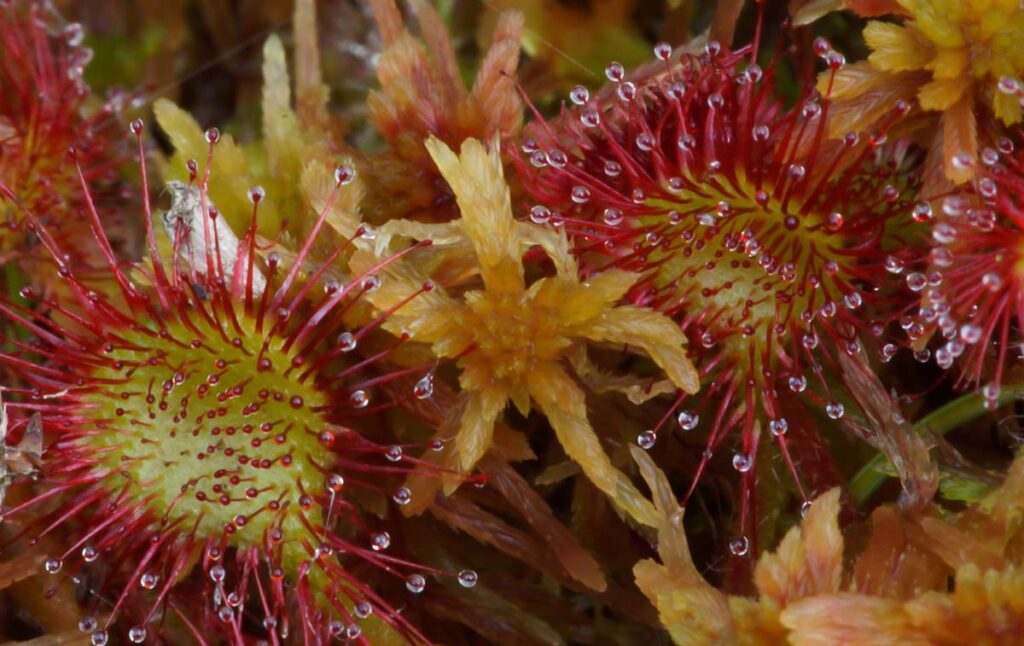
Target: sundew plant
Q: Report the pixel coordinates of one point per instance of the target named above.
(416, 322)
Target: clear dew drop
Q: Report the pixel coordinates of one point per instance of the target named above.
(346, 342)
(626, 91)
(580, 194)
(137, 634)
(424, 388)
(335, 482)
(53, 566)
(778, 427)
(344, 174)
(393, 453)
(742, 462)
(579, 95)
(89, 554)
(100, 638)
(371, 283)
(256, 194)
(353, 631)
(87, 624)
(834, 410)
(687, 420)
(217, 573)
(402, 496)
(615, 72)
(922, 212)
(970, 333)
(74, 34)
(647, 440)
(987, 187)
(943, 357)
(359, 399)
(590, 118)
(992, 281)
(415, 583)
(540, 214)
(468, 578)
(944, 233)
(805, 507)
(645, 142)
(798, 383)
(990, 391)
(612, 216)
(916, 281)
(894, 265)
(739, 546)
(380, 541)
(363, 610)
(148, 581)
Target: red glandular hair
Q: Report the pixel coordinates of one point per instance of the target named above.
(762, 237)
(973, 288)
(43, 113)
(200, 436)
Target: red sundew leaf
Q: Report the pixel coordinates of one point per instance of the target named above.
(572, 555)
(579, 564)
(20, 568)
(464, 515)
(493, 617)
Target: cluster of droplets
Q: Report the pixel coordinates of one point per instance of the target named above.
(690, 176)
(968, 284)
(228, 392)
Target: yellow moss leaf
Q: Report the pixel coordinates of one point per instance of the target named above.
(960, 137)
(477, 178)
(563, 403)
(896, 48)
(691, 610)
(941, 94)
(476, 427)
(848, 619)
(809, 560)
(655, 333)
